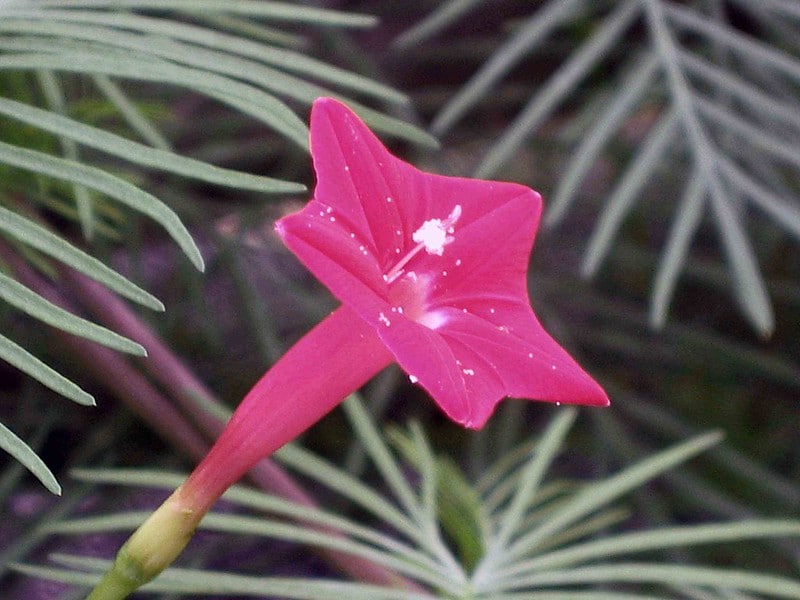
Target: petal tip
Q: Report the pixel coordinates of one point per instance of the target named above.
(597, 396)
(280, 229)
(328, 107)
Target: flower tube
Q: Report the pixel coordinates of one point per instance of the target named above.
(432, 274)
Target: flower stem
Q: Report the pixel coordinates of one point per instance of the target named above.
(152, 547)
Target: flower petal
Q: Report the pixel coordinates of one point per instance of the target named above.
(467, 334)
(337, 256)
(360, 179)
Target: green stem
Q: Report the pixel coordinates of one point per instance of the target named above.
(151, 548)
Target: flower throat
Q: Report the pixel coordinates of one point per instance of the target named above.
(433, 236)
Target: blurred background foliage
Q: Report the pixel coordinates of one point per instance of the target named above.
(663, 135)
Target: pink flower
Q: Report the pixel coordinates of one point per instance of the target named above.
(437, 266)
(431, 272)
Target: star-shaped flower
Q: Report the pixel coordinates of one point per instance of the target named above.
(431, 272)
(437, 265)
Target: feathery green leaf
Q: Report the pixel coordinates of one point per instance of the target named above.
(100, 180)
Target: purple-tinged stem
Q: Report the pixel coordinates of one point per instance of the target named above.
(161, 363)
(173, 375)
(113, 370)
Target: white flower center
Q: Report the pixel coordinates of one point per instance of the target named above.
(433, 235)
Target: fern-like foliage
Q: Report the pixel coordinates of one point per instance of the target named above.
(720, 80)
(513, 534)
(56, 161)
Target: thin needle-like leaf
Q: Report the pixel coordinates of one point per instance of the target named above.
(214, 39)
(439, 19)
(245, 97)
(251, 29)
(426, 465)
(788, 8)
(749, 133)
(414, 565)
(778, 208)
(349, 487)
(429, 508)
(527, 486)
(212, 61)
(31, 303)
(744, 45)
(757, 101)
(533, 474)
(141, 154)
(381, 456)
(751, 290)
(278, 11)
(246, 498)
(748, 284)
(27, 457)
(204, 581)
(629, 94)
(670, 575)
(599, 494)
(540, 106)
(498, 472)
(38, 237)
(532, 33)
(131, 113)
(687, 219)
(656, 539)
(55, 98)
(624, 195)
(26, 362)
(100, 180)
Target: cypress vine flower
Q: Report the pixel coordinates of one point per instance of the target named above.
(432, 274)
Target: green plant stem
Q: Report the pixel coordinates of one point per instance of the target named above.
(152, 548)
